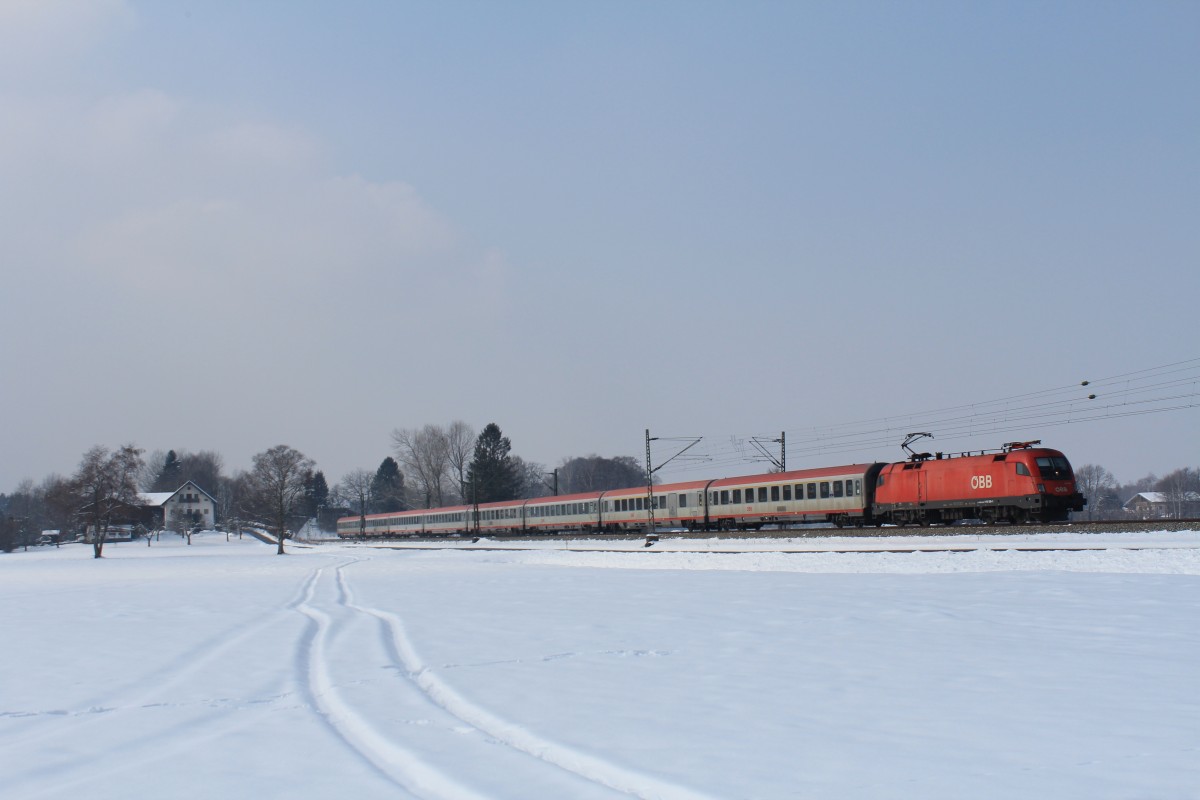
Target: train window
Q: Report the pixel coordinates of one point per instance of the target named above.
(683, 500)
(812, 491)
(737, 495)
(837, 488)
(824, 489)
(638, 504)
(1054, 468)
(774, 494)
(1023, 470)
(724, 497)
(762, 494)
(787, 492)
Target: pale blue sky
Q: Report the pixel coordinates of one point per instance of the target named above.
(232, 225)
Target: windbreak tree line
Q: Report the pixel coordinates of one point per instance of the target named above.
(432, 465)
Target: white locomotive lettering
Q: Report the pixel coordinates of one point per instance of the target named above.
(981, 481)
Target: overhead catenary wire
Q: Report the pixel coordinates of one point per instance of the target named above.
(1153, 390)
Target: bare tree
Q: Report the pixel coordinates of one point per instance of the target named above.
(152, 467)
(278, 483)
(105, 482)
(532, 476)
(58, 502)
(1181, 491)
(202, 468)
(460, 448)
(1099, 487)
(356, 488)
(594, 474)
(425, 455)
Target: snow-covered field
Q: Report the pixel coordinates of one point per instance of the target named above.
(342, 671)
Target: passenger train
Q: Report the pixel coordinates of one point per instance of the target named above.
(1019, 483)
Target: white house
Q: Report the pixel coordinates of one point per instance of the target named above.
(1160, 505)
(188, 505)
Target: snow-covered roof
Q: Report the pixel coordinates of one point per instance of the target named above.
(160, 498)
(155, 498)
(1161, 497)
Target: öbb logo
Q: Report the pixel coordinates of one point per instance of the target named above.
(981, 481)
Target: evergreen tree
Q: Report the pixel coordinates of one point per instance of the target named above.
(170, 477)
(387, 488)
(492, 475)
(316, 492)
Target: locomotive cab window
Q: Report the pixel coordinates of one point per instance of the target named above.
(1054, 468)
(1023, 470)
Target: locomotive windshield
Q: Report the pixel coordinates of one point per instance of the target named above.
(1054, 468)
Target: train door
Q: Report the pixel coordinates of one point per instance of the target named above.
(672, 506)
(922, 487)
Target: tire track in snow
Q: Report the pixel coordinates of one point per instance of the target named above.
(66, 773)
(397, 764)
(142, 691)
(508, 733)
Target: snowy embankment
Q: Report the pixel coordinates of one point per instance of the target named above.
(980, 671)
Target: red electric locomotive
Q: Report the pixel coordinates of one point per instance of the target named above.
(1021, 482)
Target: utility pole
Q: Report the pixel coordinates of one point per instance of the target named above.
(649, 487)
(779, 463)
(651, 469)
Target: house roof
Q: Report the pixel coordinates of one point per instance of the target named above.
(1155, 498)
(157, 499)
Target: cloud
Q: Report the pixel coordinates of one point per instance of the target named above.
(336, 231)
(43, 32)
(262, 143)
(147, 193)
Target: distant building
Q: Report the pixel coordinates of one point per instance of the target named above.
(1161, 505)
(188, 505)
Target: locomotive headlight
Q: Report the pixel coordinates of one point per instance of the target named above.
(1042, 488)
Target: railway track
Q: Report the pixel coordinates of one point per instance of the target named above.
(826, 531)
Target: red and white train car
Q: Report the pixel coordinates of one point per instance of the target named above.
(1019, 483)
